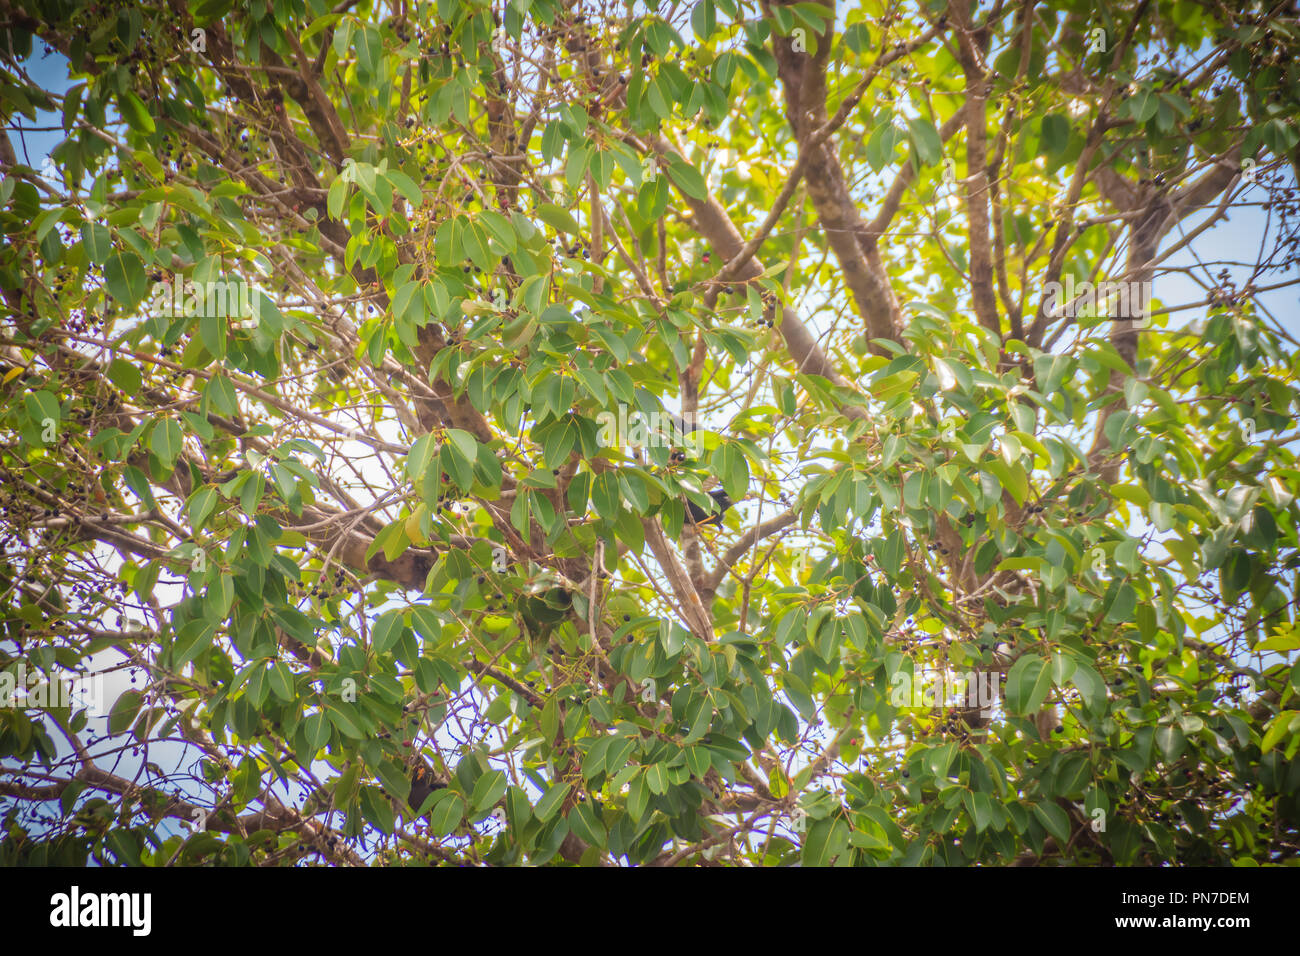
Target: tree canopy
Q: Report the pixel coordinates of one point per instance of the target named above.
(705, 433)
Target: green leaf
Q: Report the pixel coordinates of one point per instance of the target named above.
(135, 113)
(1054, 134)
(656, 778)
(638, 798)
(221, 394)
(1288, 721)
(575, 167)
(586, 825)
(48, 219)
(730, 465)
(426, 623)
(476, 245)
(827, 839)
(406, 186)
(124, 276)
(125, 846)
(343, 716)
(687, 177)
(558, 219)
(698, 720)
(545, 808)
(618, 755)
(316, 731)
(1090, 685)
(138, 482)
(212, 332)
(880, 147)
(500, 228)
(337, 195)
(1143, 104)
(201, 504)
(1171, 741)
(408, 303)
(1124, 604)
(464, 443)
(605, 495)
(387, 631)
(446, 813)
(1027, 684)
(165, 441)
(124, 375)
(280, 679)
(377, 808)
(1055, 820)
(704, 19)
(457, 464)
(394, 778)
(593, 765)
(191, 641)
(125, 709)
(42, 407)
(489, 789)
(370, 49)
(929, 147)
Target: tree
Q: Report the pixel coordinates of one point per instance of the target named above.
(364, 364)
